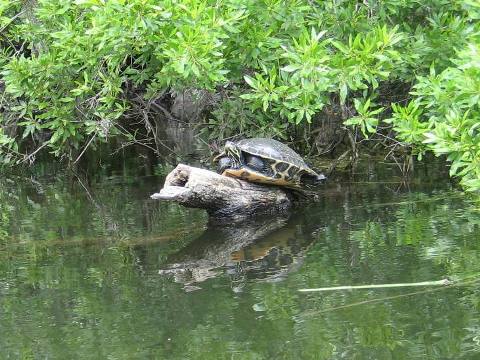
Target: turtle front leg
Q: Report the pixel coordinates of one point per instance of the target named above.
(224, 163)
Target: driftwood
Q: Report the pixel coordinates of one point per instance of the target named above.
(222, 197)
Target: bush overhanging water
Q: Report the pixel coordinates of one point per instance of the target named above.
(75, 73)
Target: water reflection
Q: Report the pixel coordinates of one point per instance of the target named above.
(266, 248)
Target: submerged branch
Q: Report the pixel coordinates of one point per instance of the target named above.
(380, 286)
(371, 301)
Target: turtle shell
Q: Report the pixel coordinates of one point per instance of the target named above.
(272, 149)
(282, 165)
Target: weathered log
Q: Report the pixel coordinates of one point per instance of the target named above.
(222, 197)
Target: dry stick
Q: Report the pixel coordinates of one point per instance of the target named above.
(85, 148)
(133, 142)
(29, 156)
(12, 19)
(387, 298)
(101, 240)
(380, 286)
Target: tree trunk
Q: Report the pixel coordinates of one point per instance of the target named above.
(223, 197)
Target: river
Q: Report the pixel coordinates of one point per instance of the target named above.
(91, 268)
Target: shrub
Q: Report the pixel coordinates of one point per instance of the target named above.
(73, 72)
(444, 116)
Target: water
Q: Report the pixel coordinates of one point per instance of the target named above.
(95, 270)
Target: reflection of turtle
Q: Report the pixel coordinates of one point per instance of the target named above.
(265, 161)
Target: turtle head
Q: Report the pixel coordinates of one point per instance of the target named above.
(229, 158)
(232, 150)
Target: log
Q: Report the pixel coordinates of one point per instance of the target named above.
(224, 198)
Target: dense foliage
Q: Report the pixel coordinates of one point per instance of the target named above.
(401, 72)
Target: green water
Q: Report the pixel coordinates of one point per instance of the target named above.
(96, 270)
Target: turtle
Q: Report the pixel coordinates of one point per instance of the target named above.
(265, 161)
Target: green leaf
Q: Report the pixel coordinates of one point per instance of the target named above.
(250, 81)
(290, 68)
(343, 93)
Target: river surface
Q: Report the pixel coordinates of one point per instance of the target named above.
(91, 268)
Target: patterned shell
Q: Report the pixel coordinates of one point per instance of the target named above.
(272, 149)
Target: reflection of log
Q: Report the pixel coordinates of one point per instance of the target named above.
(203, 258)
(221, 196)
(267, 248)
